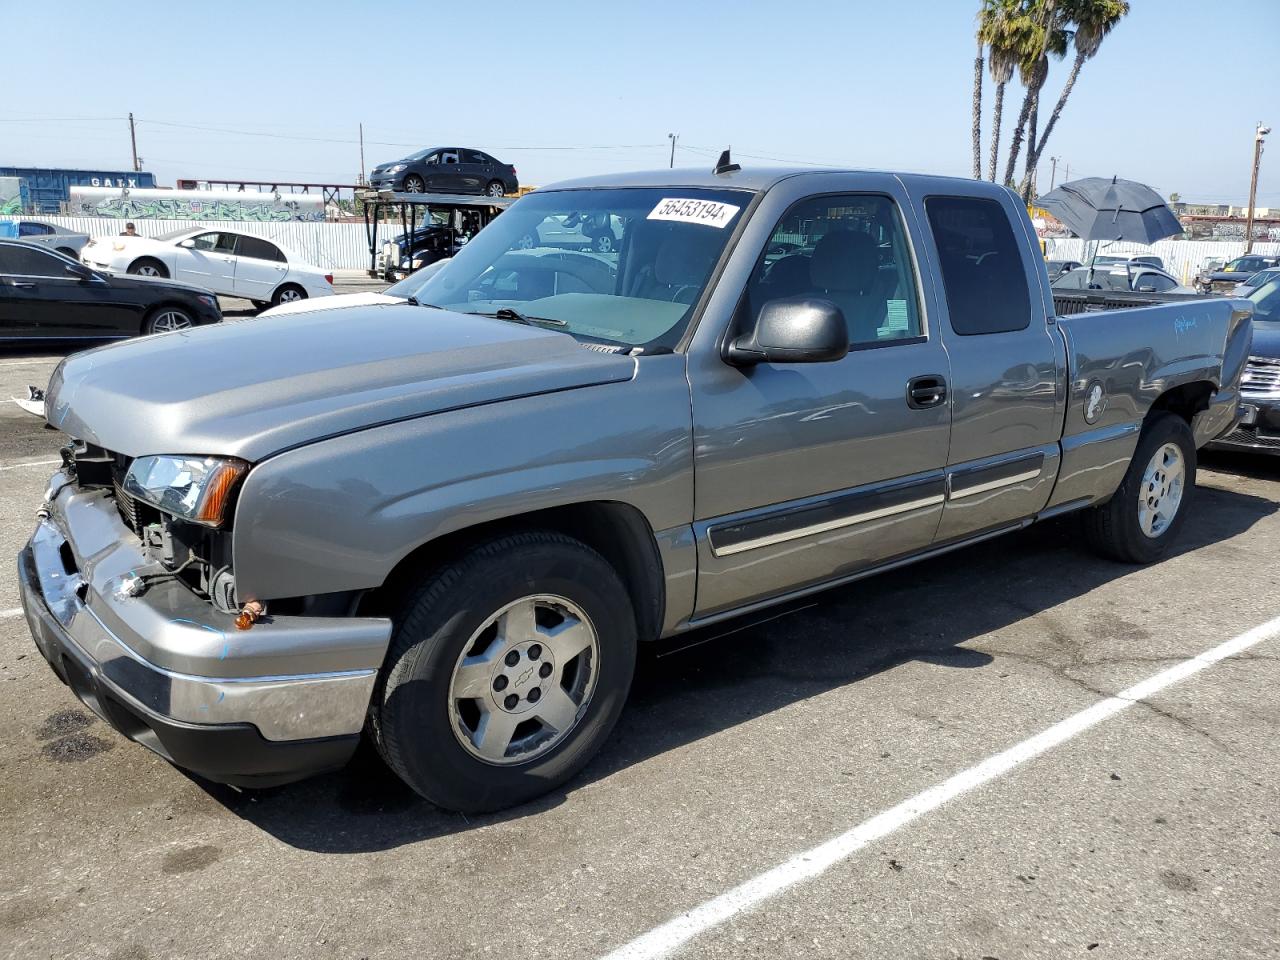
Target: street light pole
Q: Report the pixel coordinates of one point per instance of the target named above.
(673, 137)
(1053, 171)
(133, 142)
(1258, 138)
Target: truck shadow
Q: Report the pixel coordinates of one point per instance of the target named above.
(700, 684)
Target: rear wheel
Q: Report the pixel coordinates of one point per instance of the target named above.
(148, 267)
(1142, 519)
(289, 293)
(414, 184)
(507, 671)
(603, 243)
(496, 189)
(167, 319)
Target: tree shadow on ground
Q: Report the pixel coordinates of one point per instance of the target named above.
(699, 684)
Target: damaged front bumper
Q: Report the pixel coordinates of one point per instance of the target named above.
(281, 701)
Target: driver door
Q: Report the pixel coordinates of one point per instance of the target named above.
(805, 472)
(209, 260)
(446, 176)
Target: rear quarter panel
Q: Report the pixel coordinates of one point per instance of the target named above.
(1136, 355)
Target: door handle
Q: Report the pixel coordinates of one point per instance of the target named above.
(22, 284)
(927, 391)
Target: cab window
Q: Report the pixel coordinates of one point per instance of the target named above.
(851, 250)
(982, 270)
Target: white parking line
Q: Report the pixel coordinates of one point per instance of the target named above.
(666, 939)
(33, 463)
(27, 363)
(13, 612)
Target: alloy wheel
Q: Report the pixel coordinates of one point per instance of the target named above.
(524, 679)
(1161, 489)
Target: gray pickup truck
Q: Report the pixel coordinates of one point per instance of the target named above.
(446, 523)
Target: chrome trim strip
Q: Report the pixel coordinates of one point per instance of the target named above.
(849, 521)
(997, 484)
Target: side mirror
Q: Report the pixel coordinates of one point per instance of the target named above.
(80, 271)
(187, 244)
(793, 330)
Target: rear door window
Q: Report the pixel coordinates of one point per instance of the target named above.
(981, 262)
(17, 260)
(471, 156)
(29, 229)
(260, 249)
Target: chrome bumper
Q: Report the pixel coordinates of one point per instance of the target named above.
(169, 654)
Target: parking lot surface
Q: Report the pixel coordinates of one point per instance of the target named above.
(1152, 833)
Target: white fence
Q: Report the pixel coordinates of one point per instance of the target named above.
(334, 246)
(1182, 258)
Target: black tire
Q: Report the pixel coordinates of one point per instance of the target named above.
(414, 184)
(1114, 528)
(164, 319)
(260, 304)
(288, 293)
(603, 243)
(148, 267)
(496, 188)
(412, 714)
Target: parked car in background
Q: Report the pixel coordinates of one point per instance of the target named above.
(1233, 272)
(45, 295)
(230, 264)
(1057, 268)
(1137, 259)
(396, 293)
(447, 170)
(1259, 427)
(1135, 279)
(1254, 281)
(66, 242)
(448, 523)
(576, 231)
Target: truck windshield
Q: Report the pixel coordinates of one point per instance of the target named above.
(622, 266)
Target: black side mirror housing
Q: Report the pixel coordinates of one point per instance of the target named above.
(793, 330)
(80, 271)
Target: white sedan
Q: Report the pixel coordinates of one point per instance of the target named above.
(228, 263)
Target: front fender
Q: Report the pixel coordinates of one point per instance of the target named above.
(339, 514)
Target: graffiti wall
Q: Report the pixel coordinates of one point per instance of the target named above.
(194, 205)
(10, 196)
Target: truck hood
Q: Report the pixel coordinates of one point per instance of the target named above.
(250, 388)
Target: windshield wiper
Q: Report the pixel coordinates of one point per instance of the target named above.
(507, 313)
(418, 303)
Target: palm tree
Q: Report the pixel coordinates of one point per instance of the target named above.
(1040, 33)
(995, 28)
(977, 112)
(1093, 20)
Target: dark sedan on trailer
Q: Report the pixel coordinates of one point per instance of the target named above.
(447, 170)
(46, 296)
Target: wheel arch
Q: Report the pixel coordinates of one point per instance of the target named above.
(617, 531)
(1186, 400)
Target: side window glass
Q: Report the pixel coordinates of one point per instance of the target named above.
(433, 159)
(259, 249)
(450, 158)
(851, 250)
(206, 241)
(470, 156)
(23, 261)
(981, 262)
(226, 243)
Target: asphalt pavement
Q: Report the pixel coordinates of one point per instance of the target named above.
(1152, 832)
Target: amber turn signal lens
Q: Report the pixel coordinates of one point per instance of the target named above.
(220, 484)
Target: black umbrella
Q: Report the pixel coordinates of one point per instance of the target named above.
(1099, 209)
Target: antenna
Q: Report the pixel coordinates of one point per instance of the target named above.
(725, 165)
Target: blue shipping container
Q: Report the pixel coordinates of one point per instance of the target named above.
(46, 189)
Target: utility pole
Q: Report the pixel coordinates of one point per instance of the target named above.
(1053, 171)
(673, 137)
(133, 142)
(362, 154)
(1258, 137)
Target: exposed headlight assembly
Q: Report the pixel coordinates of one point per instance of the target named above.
(396, 169)
(191, 488)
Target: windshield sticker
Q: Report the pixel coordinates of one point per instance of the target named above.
(683, 210)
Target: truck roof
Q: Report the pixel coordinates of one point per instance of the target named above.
(752, 178)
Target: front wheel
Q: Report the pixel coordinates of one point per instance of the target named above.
(148, 267)
(1142, 519)
(496, 189)
(168, 319)
(414, 184)
(507, 671)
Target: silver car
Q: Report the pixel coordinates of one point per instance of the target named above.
(66, 242)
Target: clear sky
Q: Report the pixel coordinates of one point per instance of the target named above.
(569, 88)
